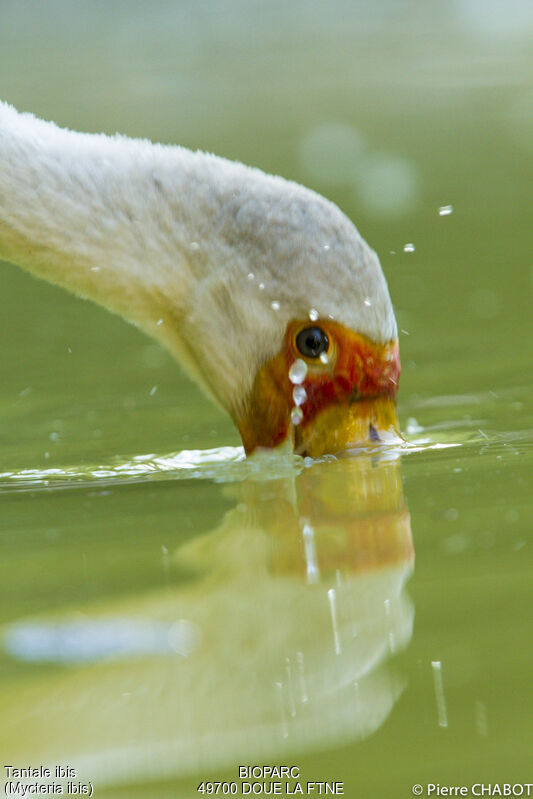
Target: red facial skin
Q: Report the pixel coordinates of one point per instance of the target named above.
(358, 371)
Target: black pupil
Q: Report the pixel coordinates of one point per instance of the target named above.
(312, 342)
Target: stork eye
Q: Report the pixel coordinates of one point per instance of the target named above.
(312, 342)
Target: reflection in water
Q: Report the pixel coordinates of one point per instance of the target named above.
(90, 640)
(278, 645)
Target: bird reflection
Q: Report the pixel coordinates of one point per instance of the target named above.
(298, 602)
(307, 603)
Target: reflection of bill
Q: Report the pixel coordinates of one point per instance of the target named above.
(321, 565)
(298, 603)
(354, 513)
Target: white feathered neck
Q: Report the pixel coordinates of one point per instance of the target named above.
(209, 256)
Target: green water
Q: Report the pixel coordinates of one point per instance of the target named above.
(128, 516)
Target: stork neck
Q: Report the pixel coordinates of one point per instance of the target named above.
(211, 257)
(95, 214)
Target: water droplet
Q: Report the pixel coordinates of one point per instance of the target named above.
(410, 247)
(442, 714)
(298, 372)
(327, 247)
(367, 302)
(308, 534)
(261, 286)
(194, 245)
(324, 358)
(313, 314)
(296, 416)
(299, 395)
(445, 210)
(413, 427)
(159, 321)
(251, 276)
(332, 597)
(275, 305)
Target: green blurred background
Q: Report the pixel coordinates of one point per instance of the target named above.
(393, 109)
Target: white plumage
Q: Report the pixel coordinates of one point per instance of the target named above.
(209, 256)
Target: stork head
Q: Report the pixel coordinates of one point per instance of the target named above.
(293, 329)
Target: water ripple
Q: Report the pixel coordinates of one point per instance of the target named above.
(185, 464)
(222, 464)
(229, 464)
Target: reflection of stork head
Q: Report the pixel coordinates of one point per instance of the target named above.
(277, 644)
(310, 582)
